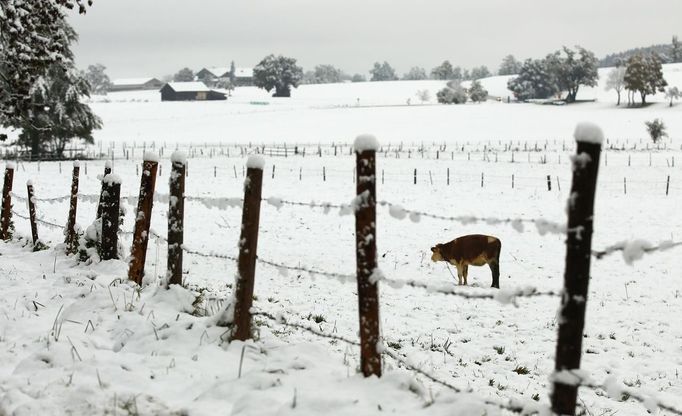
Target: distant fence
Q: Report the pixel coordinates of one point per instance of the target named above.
(566, 378)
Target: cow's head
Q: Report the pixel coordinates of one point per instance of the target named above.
(437, 255)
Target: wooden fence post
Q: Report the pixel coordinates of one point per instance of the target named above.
(415, 176)
(32, 213)
(71, 238)
(176, 218)
(7, 200)
(248, 245)
(143, 217)
(107, 170)
(366, 254)
(111, 198)
(577, 271)
(667, 185)
(549, 183)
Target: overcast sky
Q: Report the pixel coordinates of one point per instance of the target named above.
(135, 38)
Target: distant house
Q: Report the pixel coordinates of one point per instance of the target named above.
(243, 77)
(213, 73)
(189, 91)
(135, 84)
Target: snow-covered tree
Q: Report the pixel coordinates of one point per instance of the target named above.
(55, 112)
(457, 73)
(480, 72)
(32, 40)
(477, 93)
(676, 51)
(615, 81)
(573, 69)
(383, 72)
(535, 81)
(656, 129)
(644, 75)
(358, 78)
(415, 73)
(184, 75)
(326, 74)
(99, 81)
(453, 93)
(443, 71)
(424, 96)
(673, 93)
(233, 72)
(509, 66)
(279, 73)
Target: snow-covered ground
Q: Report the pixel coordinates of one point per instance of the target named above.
(78, 339)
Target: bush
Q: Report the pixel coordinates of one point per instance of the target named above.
(452, 94)
(656, 129)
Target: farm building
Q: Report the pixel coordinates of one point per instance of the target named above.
(213, 73)
(133, 84)
(189, 91)
(243, 77)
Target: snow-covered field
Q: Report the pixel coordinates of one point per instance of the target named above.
(74, 339)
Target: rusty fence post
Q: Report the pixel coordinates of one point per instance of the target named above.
(107, 170)
(71, 238)
(7, 201)
(32, 213)
(577, 273)
(366, 254)
(143, 218)
(110, 202)
(248, 244)
(176, 218)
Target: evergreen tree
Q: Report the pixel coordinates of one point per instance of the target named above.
(509, 66)
(233, 72)
(676, 52)
(535, 81)
(443, 71)
(644, 75)
(184, 75)
(616, 81)
(279, 73)
(55, 113)
(99, 81)
(453, 93)
(416, 73)
(382, 72)
(480, 72)
(32, 40)
(477, 93)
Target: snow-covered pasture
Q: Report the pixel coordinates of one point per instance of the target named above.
(78, 339)
(142, 349)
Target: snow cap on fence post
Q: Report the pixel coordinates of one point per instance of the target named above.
(588, 132)
(107, 164)
(150, 156)
(179, 156)
(111, 179)
(76, 164)
(255, 162)
(365, 142)
(10, 165)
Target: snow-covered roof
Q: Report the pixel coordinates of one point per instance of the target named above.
(243, 72)
(132, 81)
(219, 71)
(189, 86)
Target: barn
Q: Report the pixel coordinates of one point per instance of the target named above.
(189, 91)
(135, 84)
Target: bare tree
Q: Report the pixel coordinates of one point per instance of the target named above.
(616, 81)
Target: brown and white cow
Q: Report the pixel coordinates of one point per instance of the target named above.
(474, 249)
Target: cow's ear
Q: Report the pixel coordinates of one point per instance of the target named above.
(433, 249)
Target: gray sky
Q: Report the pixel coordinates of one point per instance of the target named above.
(156, 37)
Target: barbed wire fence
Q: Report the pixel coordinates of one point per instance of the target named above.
(631, 251)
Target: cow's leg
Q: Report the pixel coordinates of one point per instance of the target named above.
(465, 272)
(460, 274)
(495, 269)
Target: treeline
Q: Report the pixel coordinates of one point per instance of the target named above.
(667, 52)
